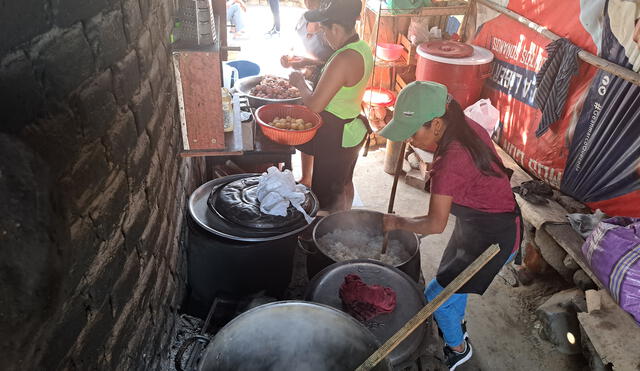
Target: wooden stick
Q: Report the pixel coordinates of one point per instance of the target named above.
(392, 197)
(385, 243)
(593, 60)
(428, 309)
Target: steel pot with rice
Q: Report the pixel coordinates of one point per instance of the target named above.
(357, 234)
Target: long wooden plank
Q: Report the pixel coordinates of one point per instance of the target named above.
(613, 333)
(537, 215)
(572, 243)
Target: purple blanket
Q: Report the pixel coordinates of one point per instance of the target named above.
(613, 252)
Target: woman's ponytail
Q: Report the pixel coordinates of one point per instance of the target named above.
(458, 130)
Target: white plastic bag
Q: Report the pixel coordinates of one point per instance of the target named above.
(484, 114)
(277, 189)
(418, 32)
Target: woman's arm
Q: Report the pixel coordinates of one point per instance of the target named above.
(346, 69)
(299, 62)
(432, 223)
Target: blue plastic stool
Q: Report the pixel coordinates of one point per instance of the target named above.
(245, 68)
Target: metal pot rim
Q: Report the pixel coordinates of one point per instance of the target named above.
(196, 198)
(249, 79)
(321, 249)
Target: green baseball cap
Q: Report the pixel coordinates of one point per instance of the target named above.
(418, 102)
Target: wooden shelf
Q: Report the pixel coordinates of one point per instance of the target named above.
(389, 64)
(420, 12)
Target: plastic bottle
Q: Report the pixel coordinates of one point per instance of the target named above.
(227, 109)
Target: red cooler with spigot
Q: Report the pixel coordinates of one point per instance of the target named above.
(461, 67)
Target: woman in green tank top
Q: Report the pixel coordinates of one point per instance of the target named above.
(333, 152)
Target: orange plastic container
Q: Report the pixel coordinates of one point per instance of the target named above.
(267, 113)
(463, 77)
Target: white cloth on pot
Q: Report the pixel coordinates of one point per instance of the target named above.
(277, 189)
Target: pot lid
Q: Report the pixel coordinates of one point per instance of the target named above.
(221, 226)
(453, 52)
(325, 286)
(447, 49)
(237, 201)
(291, 335)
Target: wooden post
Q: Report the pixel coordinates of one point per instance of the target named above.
(593, 60)
(428, 309)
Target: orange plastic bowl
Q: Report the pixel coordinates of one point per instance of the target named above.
(389, 52)
(267, 113)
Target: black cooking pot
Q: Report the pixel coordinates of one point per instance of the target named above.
(325, 288)
(234, 250)
(364, 221)
(292, 336)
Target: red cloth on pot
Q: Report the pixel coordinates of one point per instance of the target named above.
(363, 301)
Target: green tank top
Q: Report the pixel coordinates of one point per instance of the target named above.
(346, 103)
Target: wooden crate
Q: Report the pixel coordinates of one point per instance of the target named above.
(401, 83)
(409, 53)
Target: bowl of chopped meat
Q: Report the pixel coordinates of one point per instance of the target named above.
(268, 89)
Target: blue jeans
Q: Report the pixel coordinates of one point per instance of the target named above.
(451, 313)
(235, 16)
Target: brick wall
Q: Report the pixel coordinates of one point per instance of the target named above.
(92, 191)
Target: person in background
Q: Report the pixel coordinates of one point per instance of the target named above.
(236, 12)
(337, 97)
(274, 5)
(318, 52)
(469, 181)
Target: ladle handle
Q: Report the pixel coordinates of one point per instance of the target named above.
(385, 243)
(394, 188)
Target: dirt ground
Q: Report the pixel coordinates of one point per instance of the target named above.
(501, 323)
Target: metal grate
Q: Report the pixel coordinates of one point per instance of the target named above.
(195, 27)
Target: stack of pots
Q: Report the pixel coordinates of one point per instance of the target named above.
(234, 249)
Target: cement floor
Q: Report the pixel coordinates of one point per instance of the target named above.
(501, 323)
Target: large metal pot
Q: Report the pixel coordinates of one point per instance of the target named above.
(362, 220)
(325, 288)
(291, 335)
(232, 259)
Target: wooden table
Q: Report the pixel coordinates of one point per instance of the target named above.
(199, 97)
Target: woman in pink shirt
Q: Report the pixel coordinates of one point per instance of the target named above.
(469, 181)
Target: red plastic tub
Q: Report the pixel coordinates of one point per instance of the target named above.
(463, 76)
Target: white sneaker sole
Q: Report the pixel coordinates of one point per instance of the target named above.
(464, 359)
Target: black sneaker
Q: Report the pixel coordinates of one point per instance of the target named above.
(272, 33)
(454, 359)
(465, 334)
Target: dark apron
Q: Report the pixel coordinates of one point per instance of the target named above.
(474, 232)
(333, 165)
